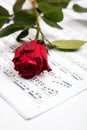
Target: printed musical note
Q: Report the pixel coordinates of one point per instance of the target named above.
(30, 92)
(42, 86)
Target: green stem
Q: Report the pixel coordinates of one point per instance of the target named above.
(37, 33)
(35, 5)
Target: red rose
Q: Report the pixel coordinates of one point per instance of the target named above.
(31, 59)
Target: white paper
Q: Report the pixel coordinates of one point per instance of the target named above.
(31, 97)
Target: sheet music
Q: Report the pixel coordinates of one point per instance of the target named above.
(31, 97)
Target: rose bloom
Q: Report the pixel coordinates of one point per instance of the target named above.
(31, 59)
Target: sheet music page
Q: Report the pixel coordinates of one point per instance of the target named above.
(31, 97)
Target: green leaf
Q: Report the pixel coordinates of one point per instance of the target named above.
(50, 12)
(25, 18)
(39, 1)
(58, 3)
(10, 29)
(18, 5)
(4, 16)
(23, 34)
(68, 44)
(79, 9)
(51, 23)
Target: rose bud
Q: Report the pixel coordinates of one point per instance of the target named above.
(31, 59)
